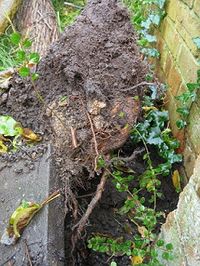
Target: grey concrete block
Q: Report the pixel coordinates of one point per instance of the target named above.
(45, 234)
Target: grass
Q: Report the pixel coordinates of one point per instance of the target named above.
(67, 13)
(6, 52)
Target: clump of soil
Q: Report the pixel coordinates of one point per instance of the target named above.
(91, 65)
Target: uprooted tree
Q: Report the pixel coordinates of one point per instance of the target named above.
(91, 82)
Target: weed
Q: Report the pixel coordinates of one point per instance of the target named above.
(67, 11)
(7, 51)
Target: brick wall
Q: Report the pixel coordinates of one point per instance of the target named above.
(178, 65)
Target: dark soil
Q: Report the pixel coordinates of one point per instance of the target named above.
(92, 64)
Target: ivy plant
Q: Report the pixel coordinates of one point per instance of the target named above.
(186, 99)
(146, 16)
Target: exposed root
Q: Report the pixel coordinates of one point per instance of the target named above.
(95, 141)
(141, 84)
(74, 140)
(135, 153)
(79, 227)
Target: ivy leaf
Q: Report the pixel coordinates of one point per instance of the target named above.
(113, 263)
(193, 86)
(160, 243)
(169, 246)
(161, 3)
(181, 123)
(184, 111)
(150, 38)
(155, 19)
(15, 38)
(154, 137)
(152, 52)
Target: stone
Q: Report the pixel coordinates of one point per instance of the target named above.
(187, 64)
(45, 234)
(182, 225)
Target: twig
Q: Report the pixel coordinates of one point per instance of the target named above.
(144, 83)
(95, 141)
(130, 158)
(28, 254)
(72, 5)
(53, 196)
(74, 140)
(85, 196)
(81, 224)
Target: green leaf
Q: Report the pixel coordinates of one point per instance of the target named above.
(34, 58)
(193, 86)
(181, 123)
(27, 43)
(20, 56)
(34, 76)
(152, 52)
(9, 126)
(169, 246)
(150, 38)
(167, 256)
(184, 111)
(197, 42)
(24, 72)
(161, 3)
(113, 263)
(160, 243)
(15, 38)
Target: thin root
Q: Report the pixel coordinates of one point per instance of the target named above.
(81, 224)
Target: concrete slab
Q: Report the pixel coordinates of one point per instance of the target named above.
(45, 234)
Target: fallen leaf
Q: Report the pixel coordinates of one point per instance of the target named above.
(176, 180)
(21, 217)
(135, 260)
(30, 135)
(143, 231)
(3, 147)
(149, 108)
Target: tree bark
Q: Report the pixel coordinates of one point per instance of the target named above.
(36, 19)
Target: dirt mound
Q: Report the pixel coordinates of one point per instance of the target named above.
(84, 74)
(96, 57)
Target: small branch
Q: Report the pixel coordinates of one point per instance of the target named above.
(144, 83)
(74, 140)
(27, 253)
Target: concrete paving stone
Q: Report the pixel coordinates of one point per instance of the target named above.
(45, 234)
